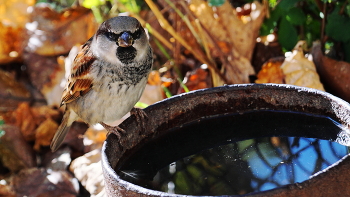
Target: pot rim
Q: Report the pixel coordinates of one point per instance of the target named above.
(340, 110)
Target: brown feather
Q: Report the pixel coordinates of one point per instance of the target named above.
(79, 82)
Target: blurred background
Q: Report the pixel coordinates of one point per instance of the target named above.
(197, 44)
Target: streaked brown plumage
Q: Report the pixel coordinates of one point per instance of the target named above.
(107, 76)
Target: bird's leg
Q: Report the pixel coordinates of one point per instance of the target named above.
(116, 130)
(140, 116)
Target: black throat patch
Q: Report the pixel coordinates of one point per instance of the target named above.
(126, 54)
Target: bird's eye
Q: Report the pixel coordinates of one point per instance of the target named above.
(111, 36)
(137, 33)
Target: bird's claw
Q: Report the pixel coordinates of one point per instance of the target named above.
(139, 113)
(140, 116)
(116, 130)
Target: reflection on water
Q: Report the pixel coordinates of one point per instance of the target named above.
(243, 167)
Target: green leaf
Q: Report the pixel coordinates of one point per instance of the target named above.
(270, 23)
(309, 38)
(57, 5)
(287, 34)
(2, 132)
(314, 26)
(91, 3)
(312, 7)
(167, 92)
(183, 85)
(267, 28)
(141, 105)
(272, 3)
(348, 10)
(216, 2)
(133, 5)
(338, 27)
(288, 4)
(312, 30)
(296, 16)
(276, 13)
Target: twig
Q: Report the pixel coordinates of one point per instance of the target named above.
(341, 11)
(165, 24)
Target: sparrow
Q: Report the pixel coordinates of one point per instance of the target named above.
(108, 76)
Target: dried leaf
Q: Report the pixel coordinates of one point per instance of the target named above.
(28, 119)
(153, 91)
(52, 33)
(42, 113)
(264, 51)
(154, 78)
(44, 133)
(6, 189)
(52, 90)
(13, 17)
(234, 37)
(197, 79)
(25, 121)
(11, 91)
(207, 18)
(48, 73)
(96, 135)
(44, 72)
(47, 183)
(15, 152)
(300, 71)
(242, 34)
(271, 72)
(36, 123)
(167, 79)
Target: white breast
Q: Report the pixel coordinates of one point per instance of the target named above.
(108, 104)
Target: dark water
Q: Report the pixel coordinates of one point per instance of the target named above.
(242, 167)
(235, 154)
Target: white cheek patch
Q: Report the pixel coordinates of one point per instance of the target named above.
(141, 54)
(105, 49)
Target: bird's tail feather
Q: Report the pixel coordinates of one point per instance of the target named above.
(61, 131)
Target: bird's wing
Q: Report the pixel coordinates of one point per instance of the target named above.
(80, 81)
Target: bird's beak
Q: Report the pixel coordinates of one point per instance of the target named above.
(125, 40)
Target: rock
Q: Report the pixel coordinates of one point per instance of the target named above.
(88, 170)
(58, 160)
(15, 152)
(12, 92)
(47, 183)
